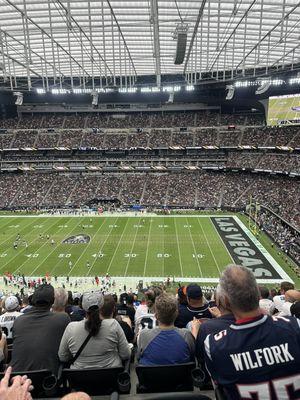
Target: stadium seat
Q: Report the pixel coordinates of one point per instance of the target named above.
(97, 381)
(165, 378)
(42, 381)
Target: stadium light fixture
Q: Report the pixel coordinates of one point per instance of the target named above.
(82, 91)
(146, 90)
(40, 91)
(294, 81)
(59, 91)
(171, 89)
(128, 90)
(155, 89)
(190, 88)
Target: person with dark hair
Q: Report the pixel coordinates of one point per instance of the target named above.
(144, 315)
(165, 344)
(279, 300)
(106, 344)
(196, 307)
(257, 356)
(37, 334)
(125, 306)
(265, 304)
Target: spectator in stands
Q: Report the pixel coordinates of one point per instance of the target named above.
(37, 334)
(107, 345)
(60, 300)
(256, 352)
(125, 306)
(295, 309)
(196, 307)
(3, 350)
(165, 344)
(144, 315)
(7, 319)
(291, 296)
(223, 317)
(280, 299)
(26, 304)
(77, 313)
(181, 295)
(265, 304)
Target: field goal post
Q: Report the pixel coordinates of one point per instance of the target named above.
(253, 209)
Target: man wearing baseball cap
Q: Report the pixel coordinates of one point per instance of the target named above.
(37, 334)
(7, 319)
(196, 307)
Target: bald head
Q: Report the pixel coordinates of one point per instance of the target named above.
(239, 287)
(76, 396)
(292, 296)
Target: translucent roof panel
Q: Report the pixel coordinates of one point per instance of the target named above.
(42, 39)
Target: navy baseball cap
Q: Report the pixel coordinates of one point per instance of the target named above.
(194, 291)
(43, 295)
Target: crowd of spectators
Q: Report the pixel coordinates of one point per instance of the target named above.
(285, 236)
(163, 137)
(199, 188)
(98, 329)
(134, 120)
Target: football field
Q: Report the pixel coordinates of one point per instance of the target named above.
(183, 246)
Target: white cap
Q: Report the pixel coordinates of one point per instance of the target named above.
(90, 299)
(11, 303)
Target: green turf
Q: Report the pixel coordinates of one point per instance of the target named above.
(280, 109)
(180, 246)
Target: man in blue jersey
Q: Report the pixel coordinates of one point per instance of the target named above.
(258, 356)
(165, 344)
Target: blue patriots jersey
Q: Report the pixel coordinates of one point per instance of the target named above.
(258, 359)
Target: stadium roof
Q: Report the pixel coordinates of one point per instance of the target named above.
(67, 39)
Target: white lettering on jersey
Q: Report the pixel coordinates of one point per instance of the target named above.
(261, 357)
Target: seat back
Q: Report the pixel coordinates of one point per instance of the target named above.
(165, 378)
(38, 379)
(94, 381)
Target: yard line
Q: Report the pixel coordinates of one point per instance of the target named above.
(179, 254)
(24, 250)
(56, 246)
(115, 252)
(87, 247)
(207, 241)
(137, 228)
(103, 243)
(14, 235)
(188, 225)
(147, 250)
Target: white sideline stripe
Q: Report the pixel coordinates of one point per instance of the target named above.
(159, 279)
(261, 248)
(114, 215)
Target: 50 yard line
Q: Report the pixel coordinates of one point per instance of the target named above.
(56, 247)
(87, 247)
